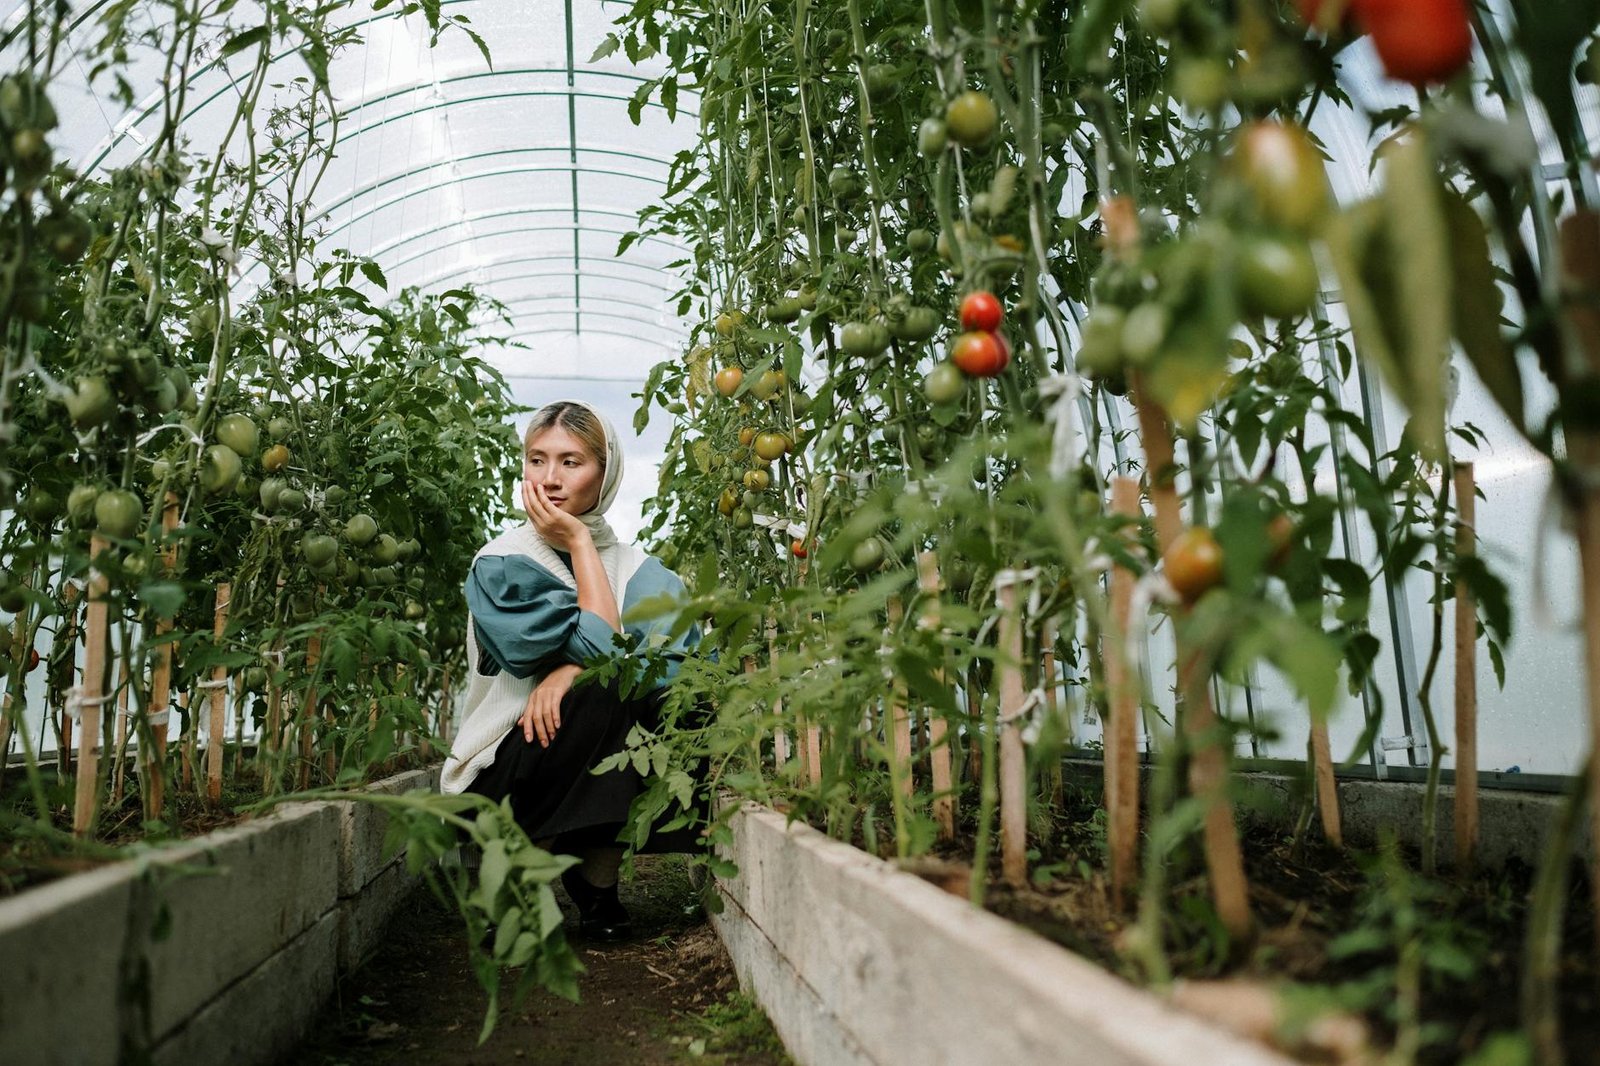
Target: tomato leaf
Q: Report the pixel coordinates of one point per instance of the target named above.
(245, 39)
(1419, 242)
(374, 273)
(1477, 318)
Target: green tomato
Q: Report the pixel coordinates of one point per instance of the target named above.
(360, 530)
(863, 339)
(867, 556)
(279, 428)
(239, 433)
(843, 183)
(220, 469)
(291, 501)
(386, 550)
(932, 137)
(971, 119)
(319, 549)
(1100, 352)
(945, 384)
(1277, 276)
(916, 324)
(271, 489)
(920, 241)
(80, 504)
(1143, 331)
(1202, 84)
(118, 514)
(883, 81)
(91, 403)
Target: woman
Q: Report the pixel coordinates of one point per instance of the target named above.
(545, 598)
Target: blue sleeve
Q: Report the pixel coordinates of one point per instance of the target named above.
(526, 619)
(654, 599)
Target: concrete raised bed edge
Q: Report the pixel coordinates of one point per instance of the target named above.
(1512, 824)
(858, 962)
(222, 949)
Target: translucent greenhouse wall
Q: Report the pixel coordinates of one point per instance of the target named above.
(521, 179)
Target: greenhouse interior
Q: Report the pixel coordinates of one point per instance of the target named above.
(1047, 531)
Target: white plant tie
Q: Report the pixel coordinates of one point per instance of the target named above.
(1006, 578)
(797, 530)
(1150, 589)
(218, 682)
(77, 701)
(161, 717)
(770, 521)
(1031, 707)
(148, 435)
(1061, 392)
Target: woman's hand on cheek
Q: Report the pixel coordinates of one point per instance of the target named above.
(556, 526)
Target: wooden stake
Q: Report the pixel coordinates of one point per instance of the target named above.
(1121, 728)
(1055, 780)
(120, 773)
(1466, 813)
(1208, 764)
(1327, 784)
(96, 626)
(1580, 261)
(1589, 560)
(218, 692)
(160, 710)
(944, 801)
(445, 703)
(191, 726)
(17, 669)
(780, 735)
(68, 637)
(1013, 766)
(308, 710)
(899, 716)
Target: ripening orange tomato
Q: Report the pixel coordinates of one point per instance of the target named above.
(1193, 563)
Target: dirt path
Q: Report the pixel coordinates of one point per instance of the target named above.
(668, 997)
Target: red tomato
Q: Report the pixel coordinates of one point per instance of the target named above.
(1419, 41)
(980, 310)
(980, 353)
(797, 548)
(33, 659)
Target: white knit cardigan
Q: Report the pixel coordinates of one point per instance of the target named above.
(494, 703)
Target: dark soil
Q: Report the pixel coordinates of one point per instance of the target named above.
(1329, 927)
(32, 853)
(669, 996)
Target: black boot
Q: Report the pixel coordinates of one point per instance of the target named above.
(600, 913)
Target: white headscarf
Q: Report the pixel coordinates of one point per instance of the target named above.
(599, 529)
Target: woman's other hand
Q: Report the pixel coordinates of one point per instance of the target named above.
(542, 717)
(559, 529)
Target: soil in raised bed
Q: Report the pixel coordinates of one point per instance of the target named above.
(669, 996)
(33, 854)
(1327, 929)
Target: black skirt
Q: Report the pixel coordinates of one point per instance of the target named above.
(553, 792)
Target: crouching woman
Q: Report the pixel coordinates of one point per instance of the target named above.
(544, 598)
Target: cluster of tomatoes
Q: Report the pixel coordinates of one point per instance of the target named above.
(981, 350)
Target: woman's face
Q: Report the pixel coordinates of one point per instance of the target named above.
(571, 476)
